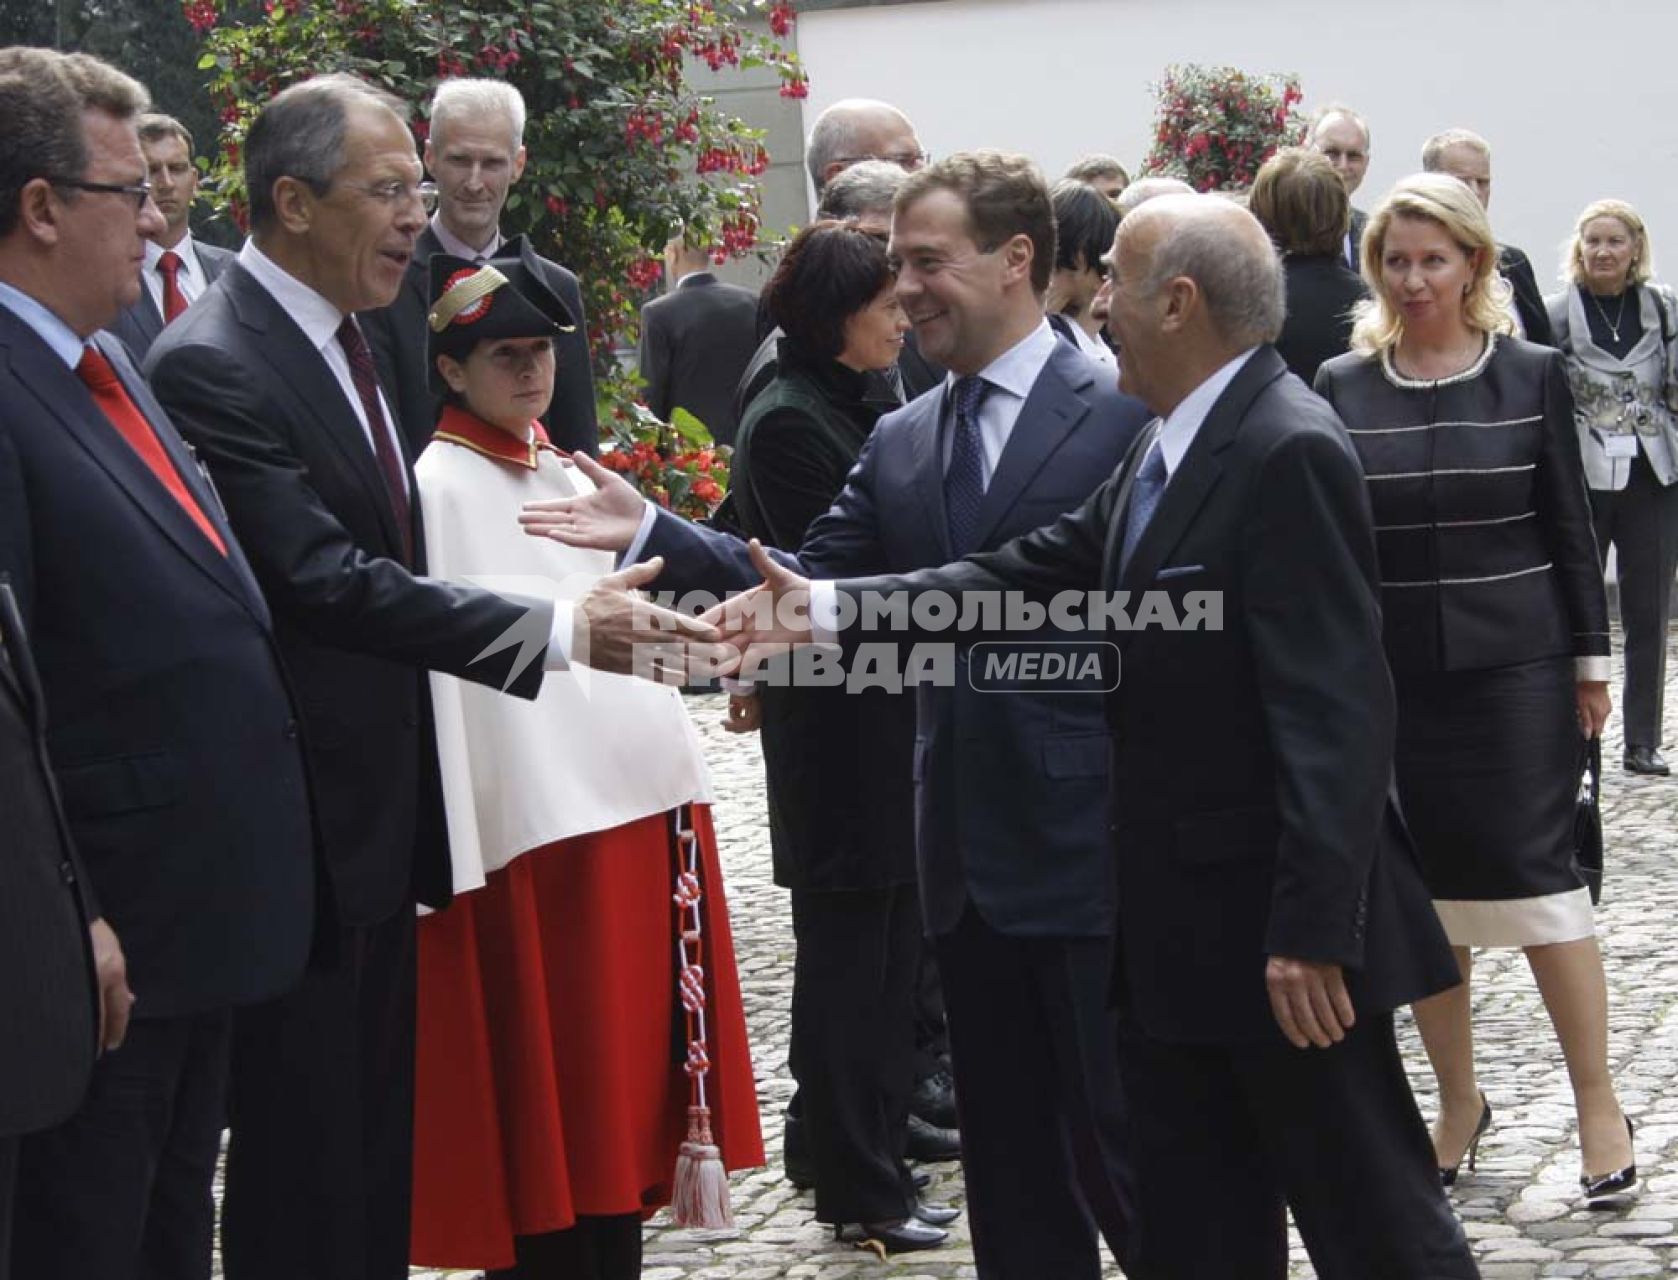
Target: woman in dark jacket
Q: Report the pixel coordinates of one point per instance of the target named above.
(839, 764)
(1301, 201)
(1497, 634)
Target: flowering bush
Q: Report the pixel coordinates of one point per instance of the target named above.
(1215, 126)
(674, 464)
(622, 151)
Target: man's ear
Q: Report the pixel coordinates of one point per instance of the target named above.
(518, 163)
(294, 205)
(1017, 256)
(39, 211)
(1182, 299)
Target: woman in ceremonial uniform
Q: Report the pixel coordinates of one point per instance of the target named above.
(1496, 629)
(557, 1068)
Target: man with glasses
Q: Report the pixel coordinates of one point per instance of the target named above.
(475, 151)
(170, 726)
(858, 129)
(178, 267)
(1342, 136)
(270, 377)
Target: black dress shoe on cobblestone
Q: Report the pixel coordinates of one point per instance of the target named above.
(893, 1237)
(1646, 760)
(934, 1100)
(931, 1144)
(795, 1160)
(936, 1215)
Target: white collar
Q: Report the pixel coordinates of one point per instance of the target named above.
(312, 313)
(454, 246)
(1184, 422)
(184, 251)
(1018, 368)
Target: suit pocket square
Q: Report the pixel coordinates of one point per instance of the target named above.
(1179, 571)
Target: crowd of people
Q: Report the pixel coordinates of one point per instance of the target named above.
(341, 822)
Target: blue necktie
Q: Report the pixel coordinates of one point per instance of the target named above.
(964, 482)
(1144, 497)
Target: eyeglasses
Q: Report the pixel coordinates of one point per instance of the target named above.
(908, 161)
(397, 192)
(139, 191)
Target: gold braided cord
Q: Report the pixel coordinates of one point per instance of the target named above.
(485, 281)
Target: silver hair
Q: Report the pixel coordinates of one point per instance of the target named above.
(866, 187)
(455, 99)
(1338, 109)
(300, 134)
(834, 134)
(1239, 276)
(1434, 149)
(1145, 189)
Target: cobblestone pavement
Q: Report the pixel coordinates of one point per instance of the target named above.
(1517, 1208)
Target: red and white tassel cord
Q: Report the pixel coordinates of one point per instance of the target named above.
(700, 1198)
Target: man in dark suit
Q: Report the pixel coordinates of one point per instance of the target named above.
(696, 341)
(1467, 157)
(1342, 136)
(475, 151)
(1270, 911)
(172, 734)
(48, 990)
(178, 268)
(1012, 840)
(270, 378)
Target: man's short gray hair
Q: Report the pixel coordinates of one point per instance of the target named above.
(1434, 149)
(1240, 277)
(835, 135)
(43, 94)
(1145, 189)
(1338, 109)
(300, 134)
(866, 187)
(459, 99)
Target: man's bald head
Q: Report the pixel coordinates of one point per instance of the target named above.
(857, 129)
(1225, 251)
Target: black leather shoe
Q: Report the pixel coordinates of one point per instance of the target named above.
(934, 1100)
(921, 1181)
(893, 1237)
(930, 1144)
(936, 1215)
(1646, 760)
(1611, 1190)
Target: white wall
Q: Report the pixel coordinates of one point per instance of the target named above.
(1059, 78)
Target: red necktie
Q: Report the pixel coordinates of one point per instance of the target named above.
(112, 398)
(174, 301)
(384, 448)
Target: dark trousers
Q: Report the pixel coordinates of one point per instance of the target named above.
(121, 1190)
(932, 1028)
(1641, 523)
(320, 1167)
(1228, 1138)
(1044, 1132)
(853, 1046)
(8, 1190)
(597, 1248)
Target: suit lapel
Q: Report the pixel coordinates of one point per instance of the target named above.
(147, 316)
(1051, 409)
(1198, 473)
(16, 676)
(304, 374)
(929, 468)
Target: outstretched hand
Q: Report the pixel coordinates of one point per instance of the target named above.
(606, 520)
(616, 629)
(771, 618)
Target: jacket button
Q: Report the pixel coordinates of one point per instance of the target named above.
(291, 730)
(67, 872)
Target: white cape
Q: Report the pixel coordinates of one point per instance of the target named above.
(594, 750)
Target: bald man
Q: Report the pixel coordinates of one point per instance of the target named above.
(857, 129)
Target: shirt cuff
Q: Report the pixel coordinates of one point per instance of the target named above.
(632, 553)
(559, 638)
(824, 612)
(1595, 667)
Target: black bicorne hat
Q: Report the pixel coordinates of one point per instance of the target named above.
(505, 297)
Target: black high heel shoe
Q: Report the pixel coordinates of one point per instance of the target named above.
(892, 1237)
(1448, 1177)
(1611, 1189)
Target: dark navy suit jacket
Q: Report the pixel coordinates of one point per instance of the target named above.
(1011, 788)
(139, 326)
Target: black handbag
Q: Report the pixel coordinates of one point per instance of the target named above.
(1587, 820)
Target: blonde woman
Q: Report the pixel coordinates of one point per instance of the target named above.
(1617, 329)
(1497, 634)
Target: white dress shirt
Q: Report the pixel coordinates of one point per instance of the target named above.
(45, 322)
(190, 278)
(1184, 422)
(455, 247)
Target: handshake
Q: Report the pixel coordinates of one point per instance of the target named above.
(617, 629)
